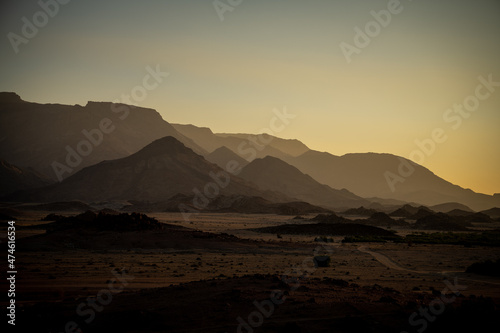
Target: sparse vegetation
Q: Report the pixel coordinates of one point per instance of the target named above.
(326, 229)
(52, 217)
(490, 268)
(486, 238)
(102, 221)
(371, 239)
(324, 239)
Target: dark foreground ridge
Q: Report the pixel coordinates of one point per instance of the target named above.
(264, 303)
(115, 231)
(488, 268)
(109, 222)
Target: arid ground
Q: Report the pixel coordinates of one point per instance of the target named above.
(218, 276)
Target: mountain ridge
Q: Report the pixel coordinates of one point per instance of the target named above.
(155, 173)
(271, 173)
(58, 132)
(46, 136)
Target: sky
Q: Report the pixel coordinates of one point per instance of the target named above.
(354, 83)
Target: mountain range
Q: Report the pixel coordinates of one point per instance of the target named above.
(59, 140)
(162, 169)
(271, 173)
(365, 174)
(107, 151)
(14, 178)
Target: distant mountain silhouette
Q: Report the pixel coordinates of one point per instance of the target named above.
(421, 213)
(229, 204)
(364, 175)
(380, 219)
(449, 206)
(37, 135)
(410, 211)
(492, 212)
(467, 216)
(258, 205)
(65, 206)
(458, 212)
(59, 140)
(223, 155)
(10, 97)
(247, 146)
(155, 173)
(14, 178)
(360, 211)
(204, 136)
(271, 173)
(292, 147)
(441, 221)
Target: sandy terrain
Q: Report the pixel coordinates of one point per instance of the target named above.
(403, 276)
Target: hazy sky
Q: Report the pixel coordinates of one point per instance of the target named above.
(229, 75)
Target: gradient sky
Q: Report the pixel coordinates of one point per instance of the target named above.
(229, 75)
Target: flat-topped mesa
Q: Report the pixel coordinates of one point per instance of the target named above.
(125, 111)
(10, 97)
(92, 104)
(113, 105)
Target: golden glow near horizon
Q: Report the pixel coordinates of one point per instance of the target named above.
(229, 75)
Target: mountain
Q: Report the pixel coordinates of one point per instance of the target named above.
(492, 212)
(228, 204)
(360, 211)
(470, 216)
(411, 211)
(14, 178)
(59, 140)
(226, 159)
(271, 173)
(203, 136)
(421, 213)
(458, 212)
(441, 221)
(449, 206)
(371, 175)
(155, 173)
(247, 146)
(292, 147)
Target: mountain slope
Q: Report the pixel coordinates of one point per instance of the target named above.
(365, 175)
(155, 173)
(229, 204)
(59, 140)
(449, 206)
(247, 146)
(226, 159)
(274, 174)
(41, 136)
(292, 147)
(203, 136)
(14, 178)
(492, 212)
